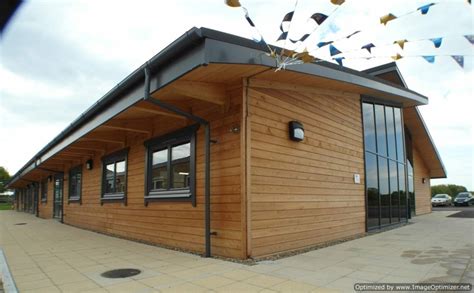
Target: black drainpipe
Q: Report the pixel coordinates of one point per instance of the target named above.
(207, 170)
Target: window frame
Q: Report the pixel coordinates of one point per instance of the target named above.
(114, 158)
(73, 171)
(168, 141)
(44, 190)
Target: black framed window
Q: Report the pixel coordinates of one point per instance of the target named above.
(384, 164)
(44, 190)
(114, 176)
(170, 161)
(75, 183)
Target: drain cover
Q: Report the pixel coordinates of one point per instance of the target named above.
(20, 224)
(120, 273)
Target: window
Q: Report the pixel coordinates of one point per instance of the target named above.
(75, 183)
(114, 177)
(171, 166)
(44, 190)
(384, 165)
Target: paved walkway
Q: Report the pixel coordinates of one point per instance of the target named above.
(46, 256)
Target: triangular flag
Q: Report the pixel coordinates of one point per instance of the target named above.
(302, 39)
(333, 50)
(282, 36)
(430, 59)
(247, 17)
(337, 2)
(322, 44)
(469, 2)
(459, 60)
(368, 47)
(424, 9)
(287, 18)
(386, 18)
(470, 38)
(397, 57)
(339, 60)
(319, 17)
(401, 43)
(305, 57)
(233, 3)
(354, 33)
(437, 42)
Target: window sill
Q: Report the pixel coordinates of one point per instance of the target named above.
(74, 200)
(169, 195)
(113, 197)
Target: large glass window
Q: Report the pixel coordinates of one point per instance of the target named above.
(384, 164)
(114, 177)
(170, 166)
(75, 183)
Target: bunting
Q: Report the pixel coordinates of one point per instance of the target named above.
(397, 57)
(339, 60)
(437, 42)
(319, 18)
(425, 8)
(287, 18)
(337, 2)
(459, 60)
(333, 50)
(322, 44)
(401, 43)
(368, 47)
(429, 59)
(470, 38)
(386, 18)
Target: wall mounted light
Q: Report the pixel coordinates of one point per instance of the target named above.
(423, 180)
(89, 164)
(296, 130)
(50, 178)
(235, 129)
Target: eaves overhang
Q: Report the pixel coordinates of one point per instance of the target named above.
(199, 47)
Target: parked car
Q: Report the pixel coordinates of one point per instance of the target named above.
(464, 199)
(441, 200)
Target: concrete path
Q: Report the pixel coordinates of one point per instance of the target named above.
(46, 256)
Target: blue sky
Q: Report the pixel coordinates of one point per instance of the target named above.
(59, 57)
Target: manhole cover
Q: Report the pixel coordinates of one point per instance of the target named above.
(463, 214)
(20, 224)
(120, 273)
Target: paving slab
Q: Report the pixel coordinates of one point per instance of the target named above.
(47, 256)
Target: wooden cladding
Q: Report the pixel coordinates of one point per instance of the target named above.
(422, 190)
(302, 193)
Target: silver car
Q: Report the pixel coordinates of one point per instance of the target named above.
(441, 200)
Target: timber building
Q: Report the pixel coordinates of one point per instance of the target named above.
(207, 148)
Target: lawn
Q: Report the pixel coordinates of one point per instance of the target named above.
(5, 206)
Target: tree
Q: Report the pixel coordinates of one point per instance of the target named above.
(4, 177)
(450, 189)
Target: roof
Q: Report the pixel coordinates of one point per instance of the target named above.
(200, 47)
(414, 122)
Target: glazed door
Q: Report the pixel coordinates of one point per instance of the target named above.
(58, 196)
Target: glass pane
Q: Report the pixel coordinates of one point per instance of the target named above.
(160, 157)
(392, 153)
(180, 165)
(372, 190)
(411, 189)
(73, 189)
(394, 195)
(120, 177)
(369, 127)
(381, 136)
(399, 134)
(181, 174)
(384, 192)
(181, 151)
(159, 177)
(78, 184)
(403, 195)
(109, 178)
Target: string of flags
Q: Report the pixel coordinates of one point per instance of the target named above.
(286, 57)
(459, 59)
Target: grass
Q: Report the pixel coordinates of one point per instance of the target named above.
(5, 206)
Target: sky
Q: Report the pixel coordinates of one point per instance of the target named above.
(59, 57)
